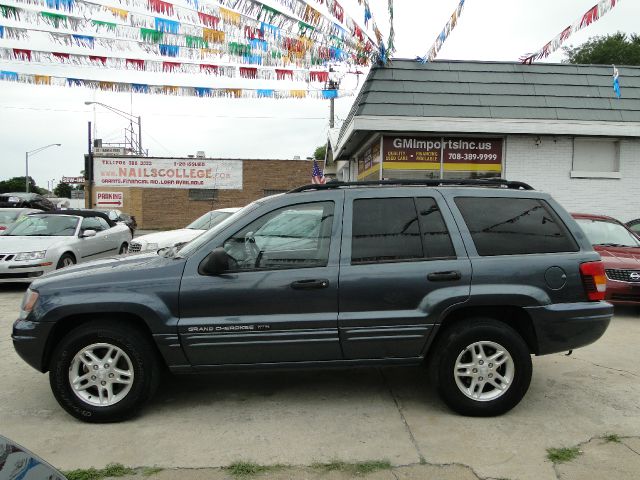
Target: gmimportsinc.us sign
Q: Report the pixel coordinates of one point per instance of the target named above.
(167, 173)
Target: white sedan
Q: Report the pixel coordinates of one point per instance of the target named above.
(44, 242)
(156, 241)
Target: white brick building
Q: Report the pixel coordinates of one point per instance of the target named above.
(559, 128)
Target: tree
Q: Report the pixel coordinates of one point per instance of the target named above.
(616, 49)
(62, 190)
(17, 184)
(320, 152)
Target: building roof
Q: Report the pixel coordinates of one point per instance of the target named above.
(493, 97)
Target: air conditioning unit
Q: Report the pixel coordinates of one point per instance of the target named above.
(200, 154)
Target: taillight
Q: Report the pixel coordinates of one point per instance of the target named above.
(594, 280)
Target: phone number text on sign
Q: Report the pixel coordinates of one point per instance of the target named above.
(168, 173)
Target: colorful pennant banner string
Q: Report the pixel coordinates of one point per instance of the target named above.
(261, 36)
(100, 61)
(444, 34)
(175, 90)
(592, 15)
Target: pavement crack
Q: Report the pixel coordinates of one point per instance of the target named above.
(412, 438)
(605, 367)
(633, 450)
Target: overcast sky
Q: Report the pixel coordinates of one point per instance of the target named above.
(33, 116)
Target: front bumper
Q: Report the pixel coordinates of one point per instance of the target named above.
(623, 293)
(565, 326)
(21, 272)
(30, 341)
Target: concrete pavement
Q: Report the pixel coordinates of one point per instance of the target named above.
(299, 418)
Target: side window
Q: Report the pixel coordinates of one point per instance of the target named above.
(385, 230)
(91, 223)
(435, 236)
(297, 236)
(103, 223)
(512, 226)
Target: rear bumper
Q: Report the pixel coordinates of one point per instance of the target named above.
(565, 326)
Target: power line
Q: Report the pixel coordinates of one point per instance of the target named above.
(252, 117)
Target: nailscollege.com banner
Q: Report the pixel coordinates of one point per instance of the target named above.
(168, 173)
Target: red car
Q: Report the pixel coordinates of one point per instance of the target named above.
(620, 252)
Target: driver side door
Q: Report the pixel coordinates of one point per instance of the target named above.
(91, 248)
(278, 302)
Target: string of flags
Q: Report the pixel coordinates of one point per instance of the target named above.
(444, 34)
(592, 15)
(186, 67)
(176, 90)
(249, 39)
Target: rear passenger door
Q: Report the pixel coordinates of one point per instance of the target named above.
(402, 264)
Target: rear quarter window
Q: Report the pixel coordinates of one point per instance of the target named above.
(514, 226)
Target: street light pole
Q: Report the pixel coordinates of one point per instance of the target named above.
(26, 161)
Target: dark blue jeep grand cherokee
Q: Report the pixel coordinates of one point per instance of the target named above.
(469, 277)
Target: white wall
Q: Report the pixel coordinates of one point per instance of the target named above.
(547, 168)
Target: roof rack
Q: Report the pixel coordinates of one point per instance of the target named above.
(478, 182)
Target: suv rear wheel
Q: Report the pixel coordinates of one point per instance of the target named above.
(482, 367)
(103, 372)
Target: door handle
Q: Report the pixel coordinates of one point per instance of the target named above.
(444, 276)
(309, 284)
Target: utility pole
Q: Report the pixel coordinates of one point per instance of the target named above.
(88, 171)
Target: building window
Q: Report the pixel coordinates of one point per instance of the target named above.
(267, 192)
(595, 158)
(203, 194)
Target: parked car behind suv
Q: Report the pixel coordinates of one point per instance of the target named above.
(472, 281)
(619, 248)
(26, 200)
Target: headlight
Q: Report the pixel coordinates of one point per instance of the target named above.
(29, 300)
(152, 246)
(30, 256)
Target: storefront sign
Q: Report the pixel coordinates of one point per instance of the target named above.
(168, 173)
(450, 154)
(369, 162)
(72, 179)
(109, 199)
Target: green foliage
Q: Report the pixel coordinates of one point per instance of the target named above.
(612, 438)
(17, 184)
(616, 49)
(248, 469)
(562, 455)
(62, 190)
(358, 468)
(111, 470)
(320, 152)
(148, 471)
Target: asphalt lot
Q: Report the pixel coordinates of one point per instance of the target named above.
(354, 415)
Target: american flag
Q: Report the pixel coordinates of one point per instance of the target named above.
(317, 177)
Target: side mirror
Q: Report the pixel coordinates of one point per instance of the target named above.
(88, 234)
(215, 263)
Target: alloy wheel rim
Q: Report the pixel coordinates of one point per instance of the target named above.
(101, 374)
(67, 262)
(484, 371)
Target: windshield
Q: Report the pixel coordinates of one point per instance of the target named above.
(208, 220)
(197, 242)
(602, 232)
(7, 217)
(44, 226)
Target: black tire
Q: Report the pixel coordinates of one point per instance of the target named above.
(453, 341)
(139, 351)
(123, 249)
(64, 259)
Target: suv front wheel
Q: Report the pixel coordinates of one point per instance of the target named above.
(482, 367)
(103, 372)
